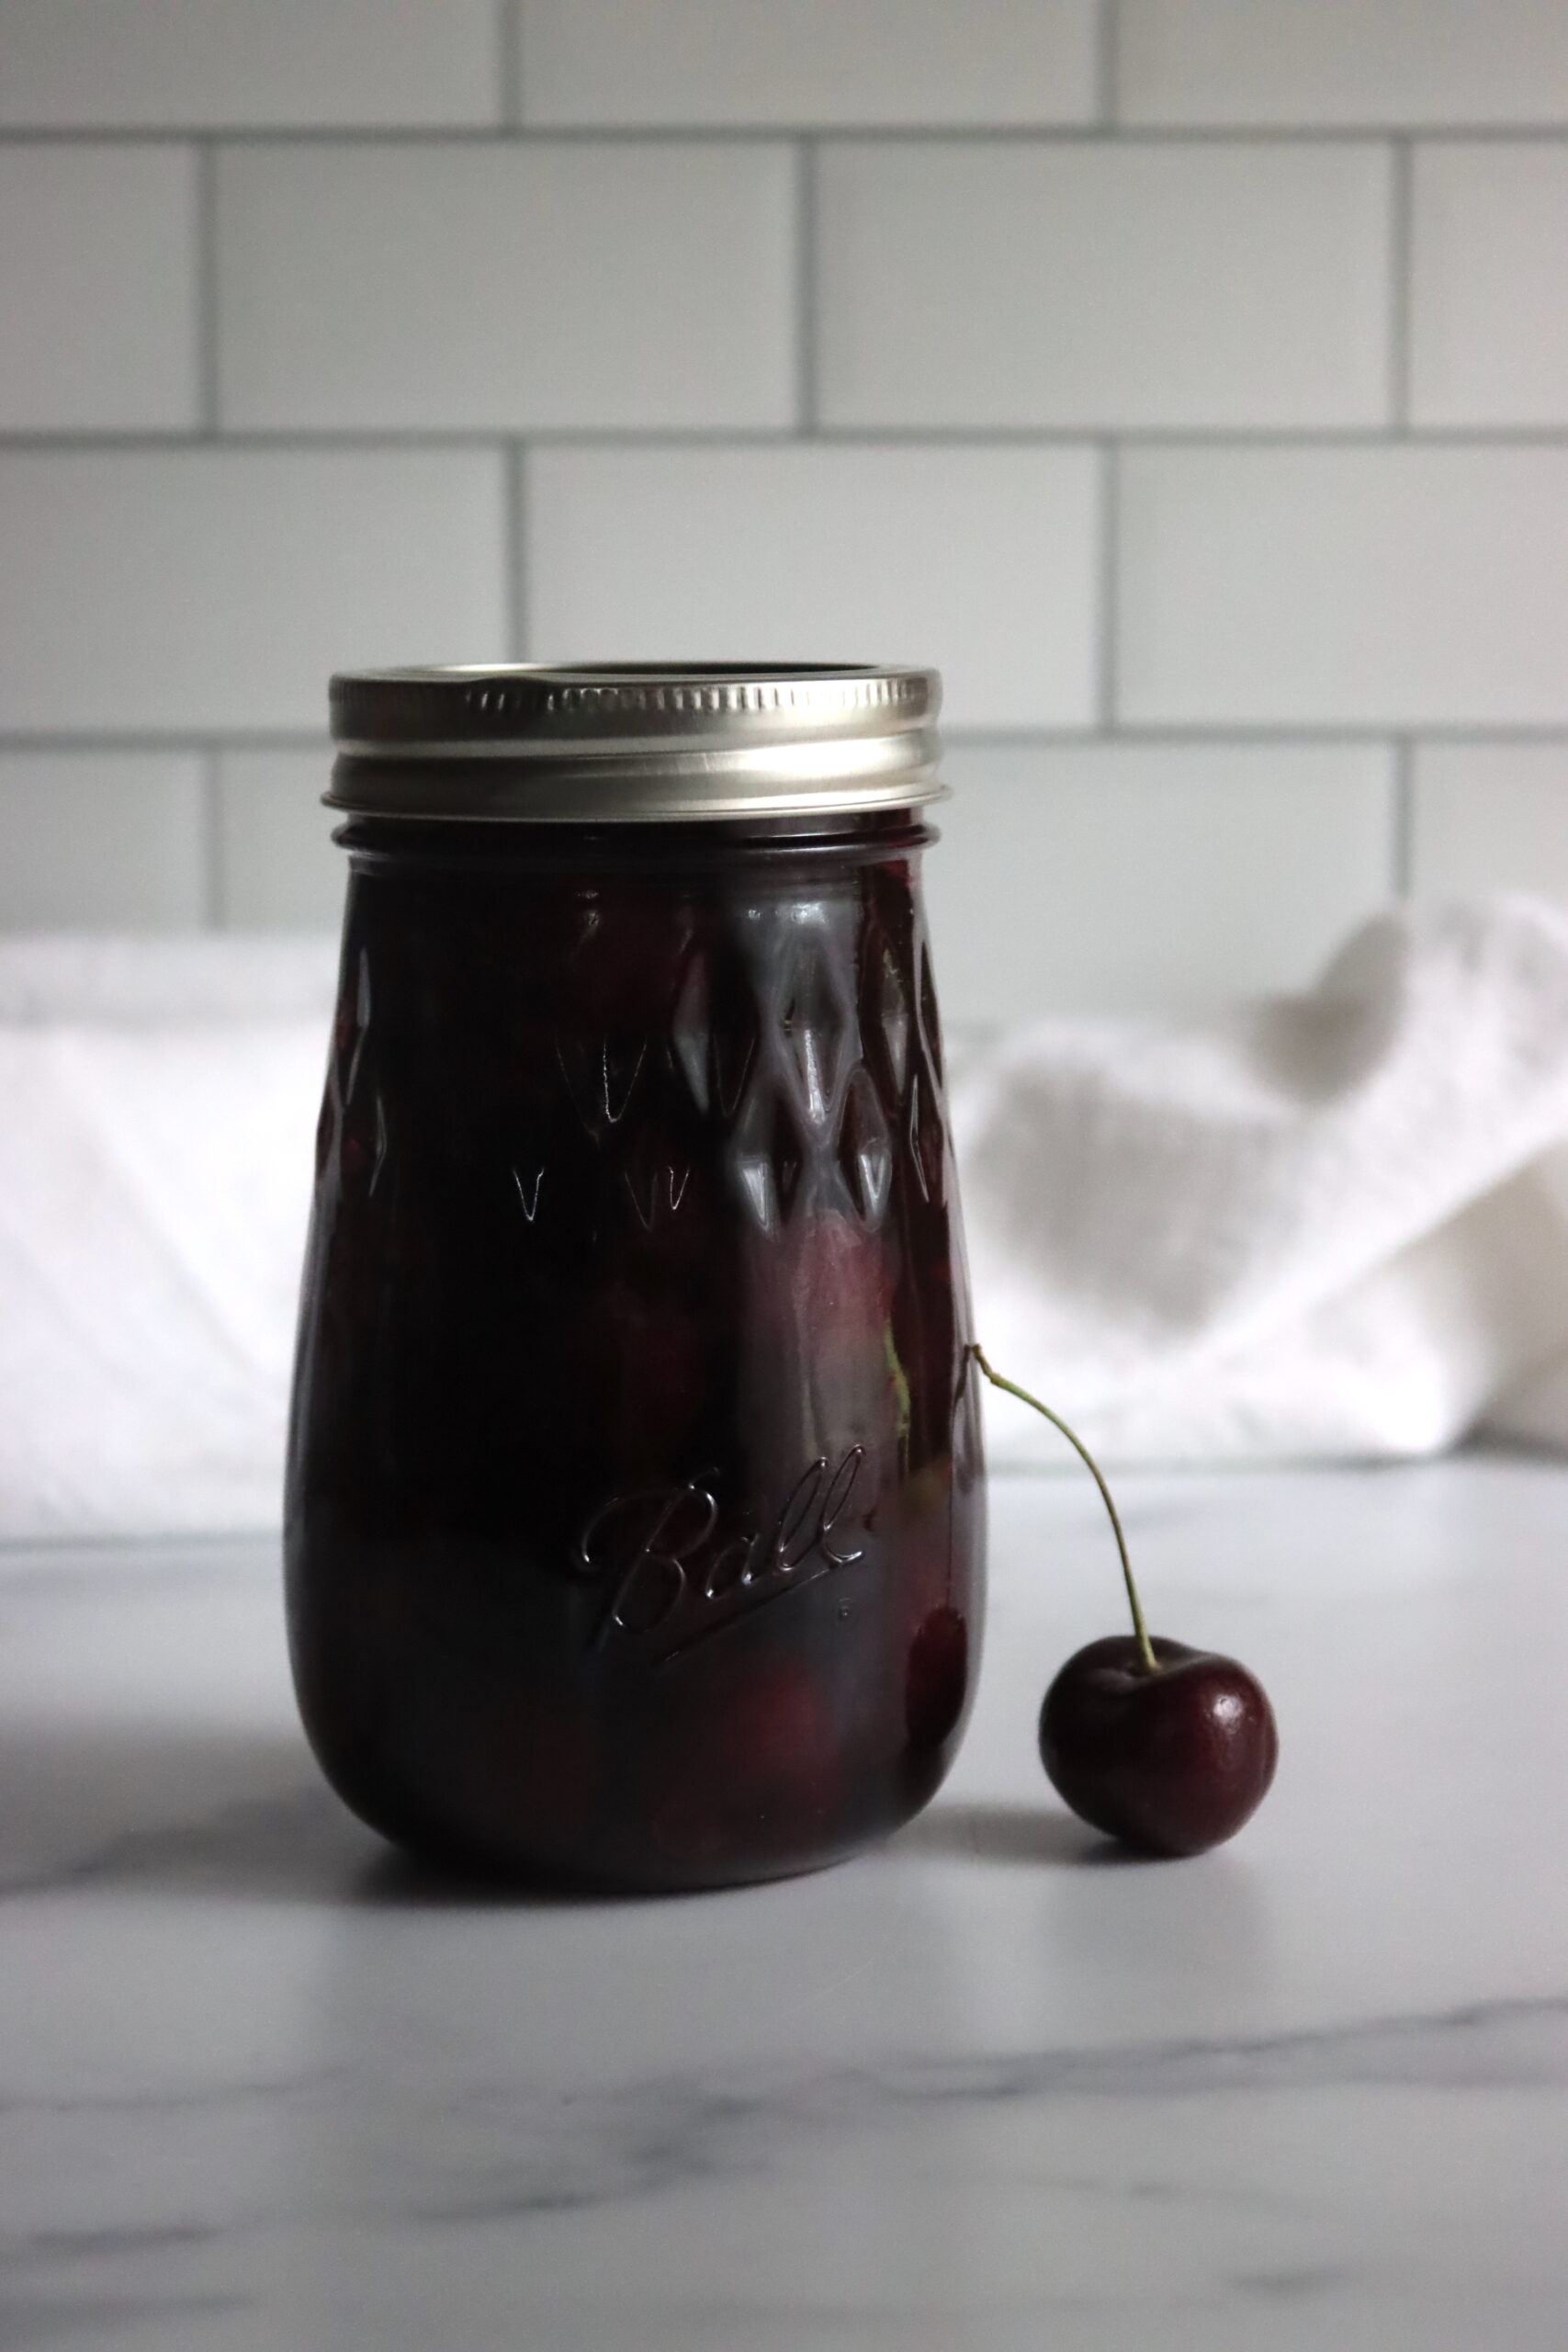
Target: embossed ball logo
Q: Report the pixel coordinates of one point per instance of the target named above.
(674, 1574)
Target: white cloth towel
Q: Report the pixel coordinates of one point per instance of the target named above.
(1327, 1226)
(1332, 1225)
(157, 1106)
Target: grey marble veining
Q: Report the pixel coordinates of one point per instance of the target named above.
(266, 2087)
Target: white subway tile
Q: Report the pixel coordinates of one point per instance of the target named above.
(500, 285)
(279, 868)
(1489, 324)
(980, 560)
(208, 63)
(212, 589)
(1393, 585)
(101, 841)
(97, 288)
(1137, 285)
(1149, 877)
(1343, 61)
(1490, 816)
(808, 62)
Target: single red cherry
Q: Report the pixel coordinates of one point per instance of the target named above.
(1166, 1747)
(1171, 1760)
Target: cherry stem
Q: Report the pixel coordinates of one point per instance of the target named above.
(1146, 1647)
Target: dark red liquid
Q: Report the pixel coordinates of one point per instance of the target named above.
(635, 1499)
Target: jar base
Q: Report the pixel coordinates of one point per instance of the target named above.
(448, 1862)
(445, 1870)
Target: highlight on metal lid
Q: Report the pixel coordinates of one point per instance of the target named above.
(634, 742)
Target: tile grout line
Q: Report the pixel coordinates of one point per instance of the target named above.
(349, 440)
(509, 61)
(113, 742)
(1075, 133)
(515, 489)
(1108, 683)
(1401, 289)
(214, 892)
(206, 322)
(1107, 65)
(807, 407)
(1403, 845)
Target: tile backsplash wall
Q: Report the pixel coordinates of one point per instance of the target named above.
(1187, 377)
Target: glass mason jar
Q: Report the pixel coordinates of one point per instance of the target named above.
(635, 1504)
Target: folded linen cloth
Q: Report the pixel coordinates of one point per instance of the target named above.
(157, 1105)
(1327, 1226)
(1332, 1225)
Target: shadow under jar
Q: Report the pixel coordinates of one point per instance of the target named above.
(635, 1496)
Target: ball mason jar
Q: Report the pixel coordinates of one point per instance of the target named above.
(635, 1499)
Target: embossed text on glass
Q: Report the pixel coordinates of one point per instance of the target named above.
(672, 1575)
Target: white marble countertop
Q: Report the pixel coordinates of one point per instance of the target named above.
(264, 2089)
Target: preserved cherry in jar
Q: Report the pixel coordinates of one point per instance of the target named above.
(635, 1505)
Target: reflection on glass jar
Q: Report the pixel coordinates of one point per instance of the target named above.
(635, 1500)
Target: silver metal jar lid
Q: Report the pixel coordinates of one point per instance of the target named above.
(634, 742)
